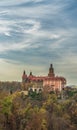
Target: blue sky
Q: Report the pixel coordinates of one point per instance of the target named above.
(35, 33)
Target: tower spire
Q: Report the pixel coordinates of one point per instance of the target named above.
(51, 71)
(24, 72)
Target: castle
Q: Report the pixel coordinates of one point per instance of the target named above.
(47, 83)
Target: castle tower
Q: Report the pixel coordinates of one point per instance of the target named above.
(24, 81)
(30, 75)
(24, 76)
(51, 71)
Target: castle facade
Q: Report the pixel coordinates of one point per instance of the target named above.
(47, 83)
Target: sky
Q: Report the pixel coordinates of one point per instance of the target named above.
(36, 33)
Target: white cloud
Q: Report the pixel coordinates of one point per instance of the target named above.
(14, 46)
(36, 1)
(16, 2)
(5, 31)
(26, 44)
(3, 12)
(5, 27)
(37, 32)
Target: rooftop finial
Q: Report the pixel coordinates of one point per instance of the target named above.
(51, 65)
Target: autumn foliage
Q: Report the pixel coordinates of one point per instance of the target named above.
(19, 112)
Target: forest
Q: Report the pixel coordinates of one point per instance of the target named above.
(43, 111)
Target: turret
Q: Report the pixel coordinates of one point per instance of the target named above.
(30, 74)
(24, 76)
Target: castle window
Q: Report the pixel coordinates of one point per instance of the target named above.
(35, 90)
(40, 90)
